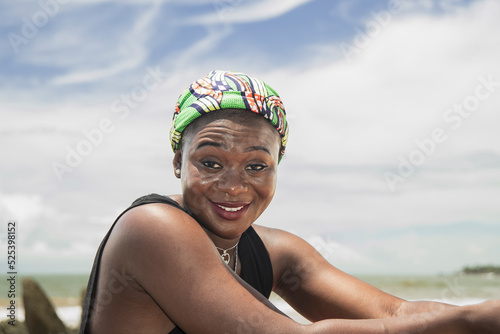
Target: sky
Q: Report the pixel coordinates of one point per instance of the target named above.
(393, 161)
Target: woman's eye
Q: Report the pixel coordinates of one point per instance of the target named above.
(211, 164)
(256, 167)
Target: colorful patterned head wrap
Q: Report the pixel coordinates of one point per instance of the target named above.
(228, 90)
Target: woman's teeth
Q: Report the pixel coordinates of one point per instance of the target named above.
(230, 209)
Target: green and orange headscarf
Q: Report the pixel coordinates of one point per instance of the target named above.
(228, 90)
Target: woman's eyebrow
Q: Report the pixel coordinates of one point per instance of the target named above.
(211, 143)
(223, 146)
(258, 148)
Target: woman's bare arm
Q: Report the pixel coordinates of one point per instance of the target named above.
(319, 291)
(414, 307)
(174, 261)
(481, 319)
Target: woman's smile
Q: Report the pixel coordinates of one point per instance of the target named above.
(230, 210)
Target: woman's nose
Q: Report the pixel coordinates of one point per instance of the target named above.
(232, 183)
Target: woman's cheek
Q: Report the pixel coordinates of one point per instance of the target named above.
(266, 187)
(198, 190)
(192, 194)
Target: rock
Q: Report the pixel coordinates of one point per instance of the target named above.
(40, 315)
(19, 328)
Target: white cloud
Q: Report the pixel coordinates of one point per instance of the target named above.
(103, 50)
(76, 249)
(397, 90)
(127, 52)
(48, 238)
(330, 200)
(128, 2)
(414, 251)
(28, 210)
(240, 11)
(335, 252)
(96, 74)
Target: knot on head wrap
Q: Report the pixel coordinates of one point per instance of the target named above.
(228, 90)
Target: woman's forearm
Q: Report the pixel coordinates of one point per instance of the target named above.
(481, 318)
(437, 322)
(414, 307)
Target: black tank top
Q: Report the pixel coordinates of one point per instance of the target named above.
(256, 267)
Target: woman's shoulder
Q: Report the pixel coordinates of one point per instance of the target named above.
(152, 230)
(154, 206)
(153, 215)
(174, 200)
(284, 247)
(279, 243)
(274, 236)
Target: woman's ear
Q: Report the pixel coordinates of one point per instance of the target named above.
(177, 163)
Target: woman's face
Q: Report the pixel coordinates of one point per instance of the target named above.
(228, 172)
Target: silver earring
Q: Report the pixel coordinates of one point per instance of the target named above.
(178, 171)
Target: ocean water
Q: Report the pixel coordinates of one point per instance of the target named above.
(66, 291)
(456, 289)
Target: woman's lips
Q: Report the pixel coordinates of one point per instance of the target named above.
(230, 210)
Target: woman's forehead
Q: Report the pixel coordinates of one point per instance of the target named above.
(237, 127)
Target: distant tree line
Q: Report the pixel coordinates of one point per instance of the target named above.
(481, 269)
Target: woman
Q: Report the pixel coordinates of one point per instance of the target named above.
(194, 262)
